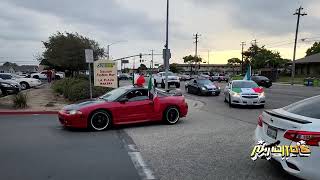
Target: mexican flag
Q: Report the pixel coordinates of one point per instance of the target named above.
(248, 90)
(155, 99)
(248, 73)
(138, 79)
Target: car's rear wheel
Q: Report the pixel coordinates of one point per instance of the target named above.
(100, 120)
(24, 85)
(171, 115)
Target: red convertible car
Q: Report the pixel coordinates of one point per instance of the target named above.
(124, 105)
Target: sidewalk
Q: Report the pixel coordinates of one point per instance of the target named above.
(41, 100)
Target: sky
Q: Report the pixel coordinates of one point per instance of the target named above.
(139, 26)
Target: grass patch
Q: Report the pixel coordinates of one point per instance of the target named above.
(20, 100)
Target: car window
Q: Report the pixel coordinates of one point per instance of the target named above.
(308, 107)
(114, 94)
(204, 81)
(195, 81)
(137, 95)
(43, 72)
(5, 76)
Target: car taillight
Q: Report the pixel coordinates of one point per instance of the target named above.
(260, 122)
(311, 138)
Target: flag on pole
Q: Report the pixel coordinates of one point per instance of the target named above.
(248, 73)
(138, 79)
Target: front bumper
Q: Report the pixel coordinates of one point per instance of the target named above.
(307, 166)
(240, 100)
(75, 121)
(35, 83)
(210, 91)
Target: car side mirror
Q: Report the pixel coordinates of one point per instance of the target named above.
(123, 100)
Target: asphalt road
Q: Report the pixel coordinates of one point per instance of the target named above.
(37, 147)
(213, 141)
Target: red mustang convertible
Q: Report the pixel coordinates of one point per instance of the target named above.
(124, 105)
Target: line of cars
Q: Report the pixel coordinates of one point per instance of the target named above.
(12, 83)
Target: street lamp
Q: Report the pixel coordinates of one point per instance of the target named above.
(108, 47)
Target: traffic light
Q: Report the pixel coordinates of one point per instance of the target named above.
(140, 55)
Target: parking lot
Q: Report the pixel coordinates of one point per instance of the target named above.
(213, 142)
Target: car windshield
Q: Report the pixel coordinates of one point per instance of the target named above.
(204, 81)
(262, 78)
(308, 107)
(114, 94)
(244, 84)
(169, 74)
(16, 76)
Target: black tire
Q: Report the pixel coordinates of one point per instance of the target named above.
(225, 99)
(56, 77)
(24, 85)
(155, 83)
(36, 77)
(230, 103)
(217, 94)
(163, 84)
(99, 120)
(171, 115)
(199, 92)
(177, 85)
(4, 92)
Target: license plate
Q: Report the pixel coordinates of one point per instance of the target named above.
(249, 102)
(272, 132)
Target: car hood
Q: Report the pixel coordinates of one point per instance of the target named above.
(10, 82)
(84, 104)
(248, 90)
(210, 86)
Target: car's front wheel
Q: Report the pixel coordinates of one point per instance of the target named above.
(171, 115)
(99, 120)
(24, 85)
(230, 101)
(163, 84)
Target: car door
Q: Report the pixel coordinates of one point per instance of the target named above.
(138, 108)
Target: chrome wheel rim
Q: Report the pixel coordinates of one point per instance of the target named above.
(99, 121)
(172, 115)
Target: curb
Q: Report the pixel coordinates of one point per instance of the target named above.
(27, 112)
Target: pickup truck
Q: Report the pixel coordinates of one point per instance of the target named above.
(172, 79)
(220, 77)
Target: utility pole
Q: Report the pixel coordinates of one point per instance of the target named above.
(208, 56)
(167, 51)
(242, 46)
(152, 58)
(196, 37)
(298, 13)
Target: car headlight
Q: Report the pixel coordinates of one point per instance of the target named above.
(74, 112)
(203, 88)
(234, 93)
(261, 94)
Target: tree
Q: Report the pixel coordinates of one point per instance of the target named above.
(192, 60)
(233, 62)
(314, 49)
(9, 64)
(260, 57)
(65, 51)
(175, 68)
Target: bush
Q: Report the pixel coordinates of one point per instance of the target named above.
(76, 89)
(20, 100)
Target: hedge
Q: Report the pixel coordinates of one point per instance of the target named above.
(76, 89)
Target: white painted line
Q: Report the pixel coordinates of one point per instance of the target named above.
(141, 166)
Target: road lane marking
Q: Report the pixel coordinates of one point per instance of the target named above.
(143, 169)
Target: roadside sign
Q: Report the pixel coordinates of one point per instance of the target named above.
(124, 61)
(105, 73)
(89, 55)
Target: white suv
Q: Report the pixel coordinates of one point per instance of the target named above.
(172, 79)
(43, 75)
(25, 83)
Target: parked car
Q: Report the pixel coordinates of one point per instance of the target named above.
(220, 77)
(262, 81)
(25, 83)
(9, 86)
(124, 77)
(299, 121)
(184, 77)
(202, 87)
(172, 79)
(243, 92)
(43, 75)
(136, 102)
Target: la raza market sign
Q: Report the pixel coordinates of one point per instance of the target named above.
(105, 73)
